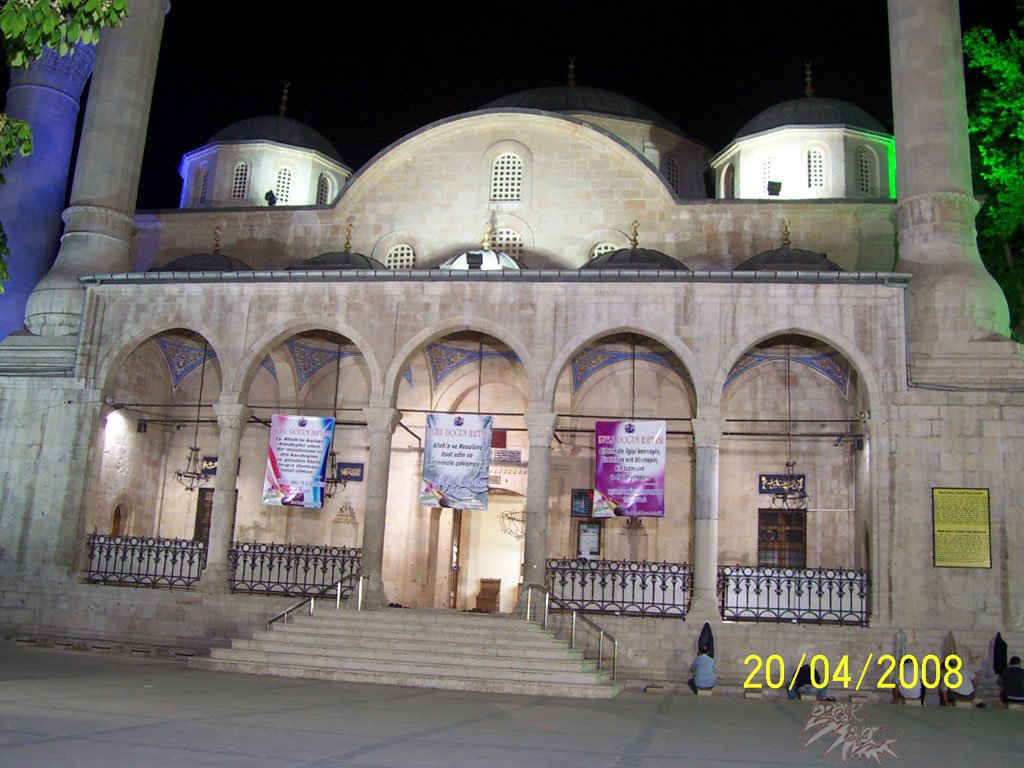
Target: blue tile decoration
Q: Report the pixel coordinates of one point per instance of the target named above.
(832, 365)
(268, 365)
(310, 358)
(445, 358)
(589, 362)
(182, 359)
(408, 377)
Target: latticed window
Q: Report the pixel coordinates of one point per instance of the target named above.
(766, 174)
(283, 187)
(672, 173)
(240, 182)
(323, 189)
(782, 538)
(600, 248)
(815, 168)
(507, 178)
(865, 178)
(400, 256)
(202, 184)
(729, 182)
(508, 241)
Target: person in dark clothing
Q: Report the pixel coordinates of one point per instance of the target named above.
(1011, 682)
(804, 685)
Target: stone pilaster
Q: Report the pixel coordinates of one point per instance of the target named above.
(381, 422)
(97, 237)
(540, 426)
(707, 437)
(231, 419)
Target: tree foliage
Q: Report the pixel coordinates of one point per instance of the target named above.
(27, 26)
(997, 132)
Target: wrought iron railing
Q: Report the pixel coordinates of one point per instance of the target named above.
(136, 561)
(540, 596)
(621, 587)
(290, 569)
(812, 595)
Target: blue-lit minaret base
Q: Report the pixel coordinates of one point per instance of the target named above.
(46, 95)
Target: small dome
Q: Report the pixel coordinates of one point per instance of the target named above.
(811, 111)
(483, 260)
(635, 258)
(787, 259)
(339, 260)
(282, 130)
(573, 99)
(204, 262)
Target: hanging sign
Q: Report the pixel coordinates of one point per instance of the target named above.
(297, 460)
(776, 484)
(629, 473)
(456, 461)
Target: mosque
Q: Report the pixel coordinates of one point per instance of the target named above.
(808, 318)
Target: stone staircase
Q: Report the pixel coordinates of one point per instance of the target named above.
(418, 648)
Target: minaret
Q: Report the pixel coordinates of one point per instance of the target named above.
(100, 222)
(952, 298)
(45, 95)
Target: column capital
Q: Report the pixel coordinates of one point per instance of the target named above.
(231, 415)
(540, 426)
(66, 74)
(382, 418)
(707, 433)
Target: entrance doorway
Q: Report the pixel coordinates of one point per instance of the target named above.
(204, 512)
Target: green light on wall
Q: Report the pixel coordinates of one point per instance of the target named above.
(892, 168)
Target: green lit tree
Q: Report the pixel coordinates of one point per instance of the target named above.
(27, 26)
(997, 131)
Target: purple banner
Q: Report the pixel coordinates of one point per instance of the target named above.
(297, 460)
(629, 469)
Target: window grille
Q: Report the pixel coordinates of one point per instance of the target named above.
(240, 182)
(204, 174)
(283, 187)
(815, 168)
(400, 256)
(782, 538)
(766, 174)
(600, 248)
(672, 173)
(507, 178)
(865, 182)
(323, 189)
(729, 183)
(508, 241)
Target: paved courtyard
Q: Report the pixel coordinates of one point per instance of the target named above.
(80, 710)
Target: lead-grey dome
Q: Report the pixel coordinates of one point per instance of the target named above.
(811, 111)
(339, 260)
(282, 130)
(788, 259)
(634, 258)
(573, 99)
(204, 262)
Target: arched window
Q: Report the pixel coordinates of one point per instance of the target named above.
(600, 248)
(283, 186)
(729, 182)
(507, 178)
(672, 173)
(508, 241)
(865, 172)
(117, 520)
(766, 174)
(815, 168)
(400, 256)
(323, 189)
(200, 190)
(240, 182)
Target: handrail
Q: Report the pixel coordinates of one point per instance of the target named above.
(576, 615)
(283, 615)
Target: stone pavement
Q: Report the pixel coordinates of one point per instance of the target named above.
(84, 710)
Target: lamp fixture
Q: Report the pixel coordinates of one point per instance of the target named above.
(793, 494)
(192, 476)
(513, 523)
(333, 483)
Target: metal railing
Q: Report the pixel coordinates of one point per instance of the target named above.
(812, 595)
(137, 561)
(547, 600)
(622, 587)
(339, 592)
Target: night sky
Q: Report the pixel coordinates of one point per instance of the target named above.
(365, 77)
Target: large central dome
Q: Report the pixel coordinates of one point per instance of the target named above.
(811, 111)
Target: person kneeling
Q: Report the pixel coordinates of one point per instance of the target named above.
(703, 669)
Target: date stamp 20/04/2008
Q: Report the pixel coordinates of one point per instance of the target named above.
(907, 671)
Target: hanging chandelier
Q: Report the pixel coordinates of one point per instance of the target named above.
(513, 523)
(192, 475)
(793, 493)
(333, 483)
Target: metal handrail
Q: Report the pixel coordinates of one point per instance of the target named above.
(283, 615)
(576, 616)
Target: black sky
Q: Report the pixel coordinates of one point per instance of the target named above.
(365, 75)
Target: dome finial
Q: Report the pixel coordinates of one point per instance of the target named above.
(634, 242)
(348, 237)
(284, 100)
(571, 79)
(216, 241)
(785, 234)
(486, 246)
(809, 80)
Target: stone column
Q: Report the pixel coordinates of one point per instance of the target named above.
(99, 224)
(540, 426)
(46, 96)
(231, 419)
(707, 436)
(381, 422)
(952, 297)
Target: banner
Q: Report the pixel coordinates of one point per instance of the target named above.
(456, 461)
(297, 460)
(629, 470)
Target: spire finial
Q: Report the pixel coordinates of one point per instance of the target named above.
(809, 80)
(785, 234)
(216, 241)
(571, 79)
(487, 237)
(348, 237)
(634, 242)
(284, 100)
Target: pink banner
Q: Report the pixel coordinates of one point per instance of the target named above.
(629, 469)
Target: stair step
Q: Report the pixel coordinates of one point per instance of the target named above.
(426, 633)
